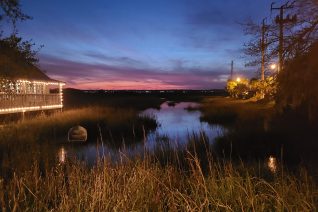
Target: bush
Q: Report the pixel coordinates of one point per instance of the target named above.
(298, 85)
(245, 89)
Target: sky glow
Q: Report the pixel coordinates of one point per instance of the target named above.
(141, 44)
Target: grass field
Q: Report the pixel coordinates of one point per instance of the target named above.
(142, 185)
(56, 125)
(225, 110)
(257, 129)
(191, 179)
(36, 140)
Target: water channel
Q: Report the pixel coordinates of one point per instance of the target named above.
(177, 122)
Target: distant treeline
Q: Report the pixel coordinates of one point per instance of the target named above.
(217, 92)
(136, 99)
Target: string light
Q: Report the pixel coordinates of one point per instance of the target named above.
(25, 109)
(34, 108)
(41, 82)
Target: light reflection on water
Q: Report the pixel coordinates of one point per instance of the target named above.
(272, 164)
(176, 125)
(62, 155)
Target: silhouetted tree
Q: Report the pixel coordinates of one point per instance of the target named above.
(11, 9)
(298, 36)
(297, 83)
(253, 48)
(18, 48)
(305, 32)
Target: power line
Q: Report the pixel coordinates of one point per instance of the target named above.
(263, 48)
(232, 66)
(281, 21)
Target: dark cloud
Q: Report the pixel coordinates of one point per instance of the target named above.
(112, 59)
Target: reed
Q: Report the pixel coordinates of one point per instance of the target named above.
(37, 140)
(187, 178)
(55, 126)
(136, 185)
(226, 111)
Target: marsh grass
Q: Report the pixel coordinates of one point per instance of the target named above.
(56, 125)
(37, 140)
(226, 111)
(186, 179)
(145, 184)
(257, 129)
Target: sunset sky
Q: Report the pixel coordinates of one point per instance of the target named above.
(141, 44)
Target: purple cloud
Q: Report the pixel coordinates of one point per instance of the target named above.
(90, 76)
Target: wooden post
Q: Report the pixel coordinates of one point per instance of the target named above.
(263, 47)
(23, 115)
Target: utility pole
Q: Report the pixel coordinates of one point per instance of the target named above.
(281, 21)
(263, 48)
(232, 65)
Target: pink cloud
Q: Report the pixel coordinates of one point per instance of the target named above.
(101, 76)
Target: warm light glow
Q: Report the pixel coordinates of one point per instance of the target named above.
(41, 82)
(34, 108)
(272, 164)
(238, 79)
(62, 155)
(25, 109)
(61, 92)
(127, 85)
(273, 66)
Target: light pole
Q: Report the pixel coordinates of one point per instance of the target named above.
(282, 21)
(273, 66)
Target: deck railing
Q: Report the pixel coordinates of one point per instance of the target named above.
(28, 100)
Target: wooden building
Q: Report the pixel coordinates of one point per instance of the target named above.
(24, 87)
(29, 95)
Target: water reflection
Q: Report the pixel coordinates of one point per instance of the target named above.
(177, 123)
(62, 155)
(272, 164)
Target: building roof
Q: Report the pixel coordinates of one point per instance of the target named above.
(15, 67)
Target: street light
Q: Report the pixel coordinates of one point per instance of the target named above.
(273, 66)
(238, 79)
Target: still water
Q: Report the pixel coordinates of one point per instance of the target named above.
(176, 124)
(179, 122)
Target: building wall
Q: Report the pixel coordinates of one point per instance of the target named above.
(24, 95)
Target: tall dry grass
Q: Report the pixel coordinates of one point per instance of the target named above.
(146, 186)
(37, 140)
(221, 110)
(56, 125)
(159, 181)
